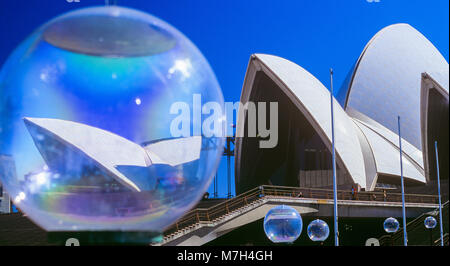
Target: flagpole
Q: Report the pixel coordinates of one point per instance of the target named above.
(439, 194)
(336, 230)
(405, 236)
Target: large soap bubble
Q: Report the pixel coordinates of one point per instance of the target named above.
(391, 225)
(430, 222)
(86, 109)
(283, 224)
(318, 230)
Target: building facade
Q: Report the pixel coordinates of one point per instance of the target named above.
(6, 166)
(399, 73)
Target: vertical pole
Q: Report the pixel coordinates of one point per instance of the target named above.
(336, 230)
(228, 166)
(229, 177)
(439, 194)
(215, 185)
(405, 236)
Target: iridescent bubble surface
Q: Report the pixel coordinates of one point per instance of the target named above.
(283, 224)
(85, 122)
(318, 230)
(391, 225)
(430, 222)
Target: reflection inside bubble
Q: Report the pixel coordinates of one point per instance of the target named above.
(85, 140)
(283, 224)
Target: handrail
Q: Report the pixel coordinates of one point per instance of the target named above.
(411, 226)
(223, 208)
(437, 242)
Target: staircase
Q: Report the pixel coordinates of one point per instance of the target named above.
(215, 214)
(229, 209)
(418, 235)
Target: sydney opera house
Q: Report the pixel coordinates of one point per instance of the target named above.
(399, 73)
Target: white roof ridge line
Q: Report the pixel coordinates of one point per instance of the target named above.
(404, 153)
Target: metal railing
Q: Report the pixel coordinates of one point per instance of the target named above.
(413, 226)
(217, 211)
(212, 214)
(437, 242)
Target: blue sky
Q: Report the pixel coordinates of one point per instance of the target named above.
(316, 34)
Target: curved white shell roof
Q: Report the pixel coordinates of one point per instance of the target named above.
(428, 84)
(313, 99)
(410, 150)
(387, 156)
(388, 73)
(110, 150)
(384, 83)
